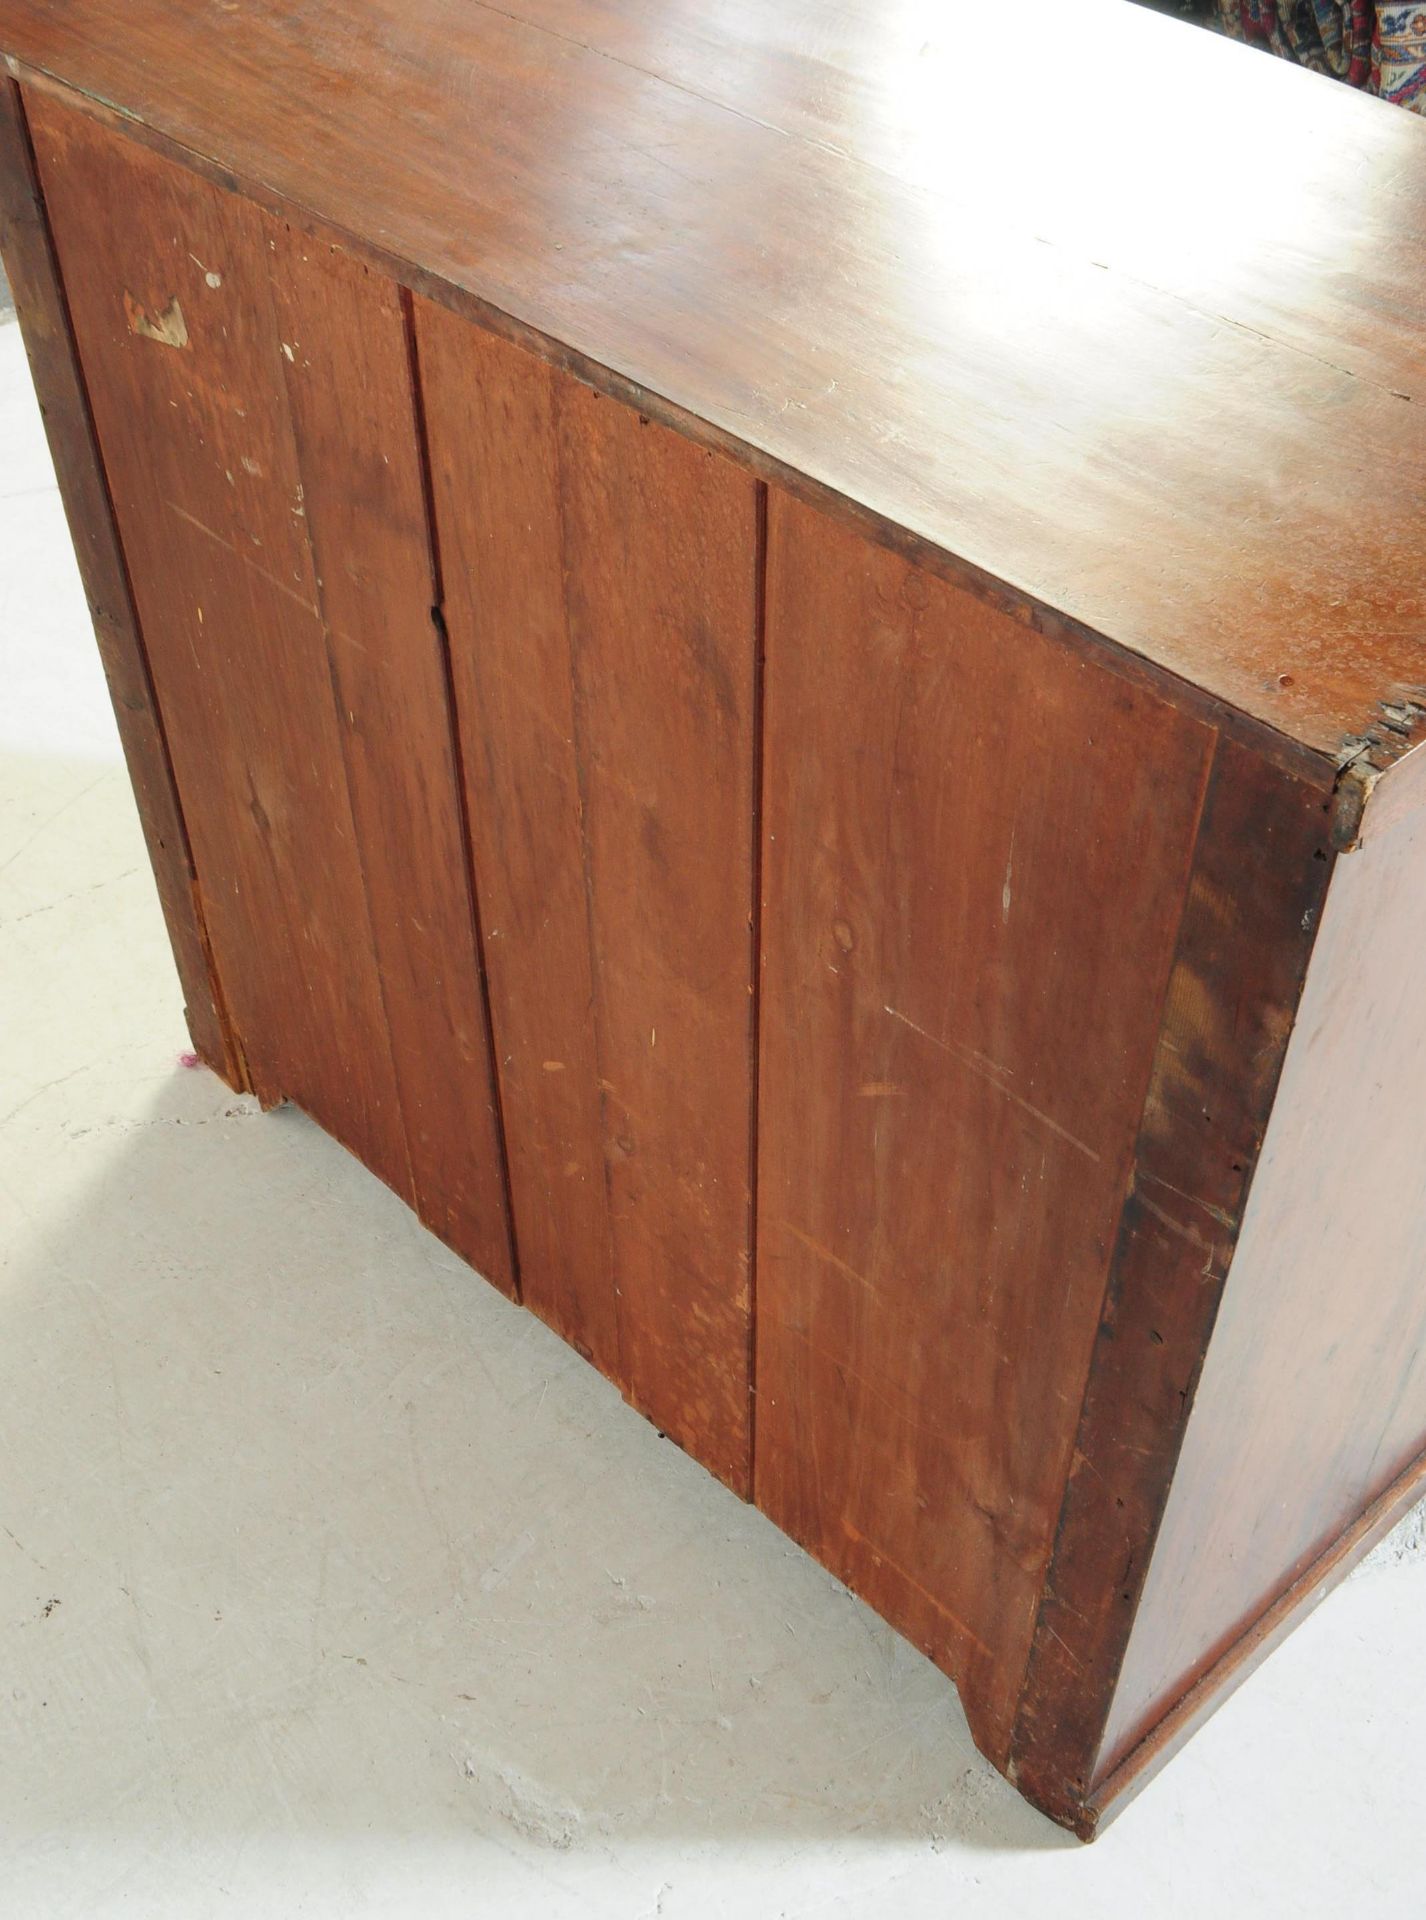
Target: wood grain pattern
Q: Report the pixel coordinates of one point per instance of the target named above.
(274, 520)
(896, 88)
(1217, 1682)
(758, 655)
(358, 446)
(1313, 1396)
(968, 928)
(601, 595)
(818, 289)
(1249, 920)
(49, 342)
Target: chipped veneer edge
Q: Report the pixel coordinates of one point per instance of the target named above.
(1381, 773)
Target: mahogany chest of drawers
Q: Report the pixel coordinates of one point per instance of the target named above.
(789, 699)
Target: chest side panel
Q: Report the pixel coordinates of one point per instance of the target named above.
(1313, 1395)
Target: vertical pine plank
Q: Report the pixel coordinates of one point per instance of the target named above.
(348, 379)
(601, 579)
(253, 405)
(976, 852)
(49, 341)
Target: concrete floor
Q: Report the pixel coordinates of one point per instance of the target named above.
(332, 1585)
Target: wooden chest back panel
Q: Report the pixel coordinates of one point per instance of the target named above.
(601, 581)
(832, 874)
(1313, 1396)
(968, 933)
(253, 404)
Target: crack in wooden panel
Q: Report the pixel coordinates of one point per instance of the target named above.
(266, 479)
(602, 578)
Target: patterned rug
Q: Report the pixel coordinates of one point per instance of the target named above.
(1381, 48)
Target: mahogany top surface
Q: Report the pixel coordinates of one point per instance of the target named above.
(1127, 317)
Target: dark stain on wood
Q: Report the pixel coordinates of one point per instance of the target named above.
(1249, 920)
